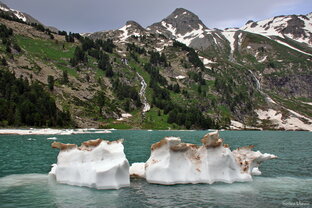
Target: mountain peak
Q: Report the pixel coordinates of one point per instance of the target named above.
(131, 28)
(179, 23)
(184, 20)
(134, 24)
(182, 11)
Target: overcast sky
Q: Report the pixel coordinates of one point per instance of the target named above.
(98, 15)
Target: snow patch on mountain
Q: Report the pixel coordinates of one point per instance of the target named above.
(19, 15)
(230, 36)
(206, 61)
(289, 46)
(4, 9)
(296, 27)
(125, 34)
(268, 27)
(308, 103)
(187, 37)
(16, 13)
(263, 59)
(169, 27)
(240, 39)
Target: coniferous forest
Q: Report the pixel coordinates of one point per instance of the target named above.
(28, 104)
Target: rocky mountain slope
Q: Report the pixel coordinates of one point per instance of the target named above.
(176, 73)
(295, 27)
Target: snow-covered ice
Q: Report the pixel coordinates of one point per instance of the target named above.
(96, 163)
(137, 170)
(174, 162)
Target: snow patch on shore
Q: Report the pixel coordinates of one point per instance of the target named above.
(53, 131)
(124, 116)
(292, 122)
(236, 125)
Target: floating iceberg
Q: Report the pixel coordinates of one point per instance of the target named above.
(173, 162)
(96, 163)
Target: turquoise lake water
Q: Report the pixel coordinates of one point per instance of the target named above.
(285, 182)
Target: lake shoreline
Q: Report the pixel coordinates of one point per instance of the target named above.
(57, 131)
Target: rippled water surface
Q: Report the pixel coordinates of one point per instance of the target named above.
(285, 182)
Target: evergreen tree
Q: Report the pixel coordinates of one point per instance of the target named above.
(109, 72)
(51, 82)
(104, 62)
(8, 48)
(176, 88)
(65, 77)
(17, 47)
(3, 61)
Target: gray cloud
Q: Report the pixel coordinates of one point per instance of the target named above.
(96, 15)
